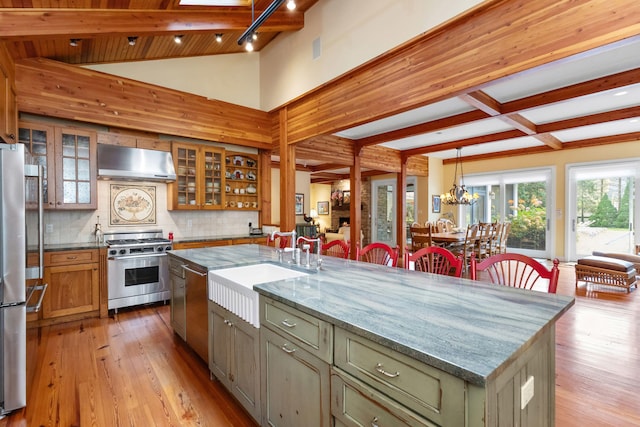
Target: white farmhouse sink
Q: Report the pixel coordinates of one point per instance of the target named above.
(232, 288)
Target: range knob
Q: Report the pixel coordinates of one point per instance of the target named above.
(113, 252)
(123, 251)
(159, 249)
(168, 248)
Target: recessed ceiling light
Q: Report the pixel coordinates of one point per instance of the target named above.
(621, 93)
(177, 39)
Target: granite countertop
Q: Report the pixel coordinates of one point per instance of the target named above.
(463, 327)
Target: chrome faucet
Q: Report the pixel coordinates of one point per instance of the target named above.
(295, 251)
(307, 248)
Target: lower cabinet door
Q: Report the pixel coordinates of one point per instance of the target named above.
(295, 384)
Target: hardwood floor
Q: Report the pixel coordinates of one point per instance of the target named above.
(132, 370)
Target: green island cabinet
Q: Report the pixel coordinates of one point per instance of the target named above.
(297, 351)
(233, 356)
(318, 374)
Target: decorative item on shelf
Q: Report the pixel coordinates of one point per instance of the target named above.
(251, 163)
(251, 176)
(238, 161)
(251, 189)
(313, 214)
(238, 174)
(227, 188)
(458, 194)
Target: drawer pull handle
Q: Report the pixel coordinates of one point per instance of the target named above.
(374, 422)
(385, 373)
(286, 323)
(72, 257)
(288, 350)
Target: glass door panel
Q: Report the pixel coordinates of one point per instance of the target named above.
(383, 220)
(602, 208)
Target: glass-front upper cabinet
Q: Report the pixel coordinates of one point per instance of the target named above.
(199, 178)
(68, 157)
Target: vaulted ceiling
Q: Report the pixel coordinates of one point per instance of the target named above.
(587, 99)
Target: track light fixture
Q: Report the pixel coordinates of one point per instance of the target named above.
(219, 38)
(178, 39)
(132, 40)
(74, 42)
(249, 46)
(253, 28)
(291, 5)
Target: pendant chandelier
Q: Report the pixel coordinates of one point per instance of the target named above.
(458, 194)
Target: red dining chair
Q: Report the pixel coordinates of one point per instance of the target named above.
(379, 253)
(434, 259)
(516, 270)
(280, 242)
(336, 248)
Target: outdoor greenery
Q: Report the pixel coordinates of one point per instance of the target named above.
(528, 216)
(596, 207)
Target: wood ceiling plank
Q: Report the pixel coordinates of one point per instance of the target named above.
(32, 24)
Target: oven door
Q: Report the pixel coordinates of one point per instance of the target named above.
(137, 279)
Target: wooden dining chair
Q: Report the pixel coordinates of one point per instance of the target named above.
(466, 248)
(336, 248)
(516, 270)
(434, 259)
(379, 253)
(420, 237)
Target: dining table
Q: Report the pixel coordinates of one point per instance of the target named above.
(449, 237)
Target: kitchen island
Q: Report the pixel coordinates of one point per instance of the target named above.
(470, 353)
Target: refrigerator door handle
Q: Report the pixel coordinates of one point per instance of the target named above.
(33, 289)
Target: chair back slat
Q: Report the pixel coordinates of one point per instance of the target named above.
(434, 259)
(379, 253)
(336, 248)
(516, 270)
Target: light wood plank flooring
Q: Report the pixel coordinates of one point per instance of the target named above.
(130, 370)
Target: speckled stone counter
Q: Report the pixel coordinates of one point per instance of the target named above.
(465, 328)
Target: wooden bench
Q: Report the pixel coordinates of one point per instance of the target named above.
(606, 271)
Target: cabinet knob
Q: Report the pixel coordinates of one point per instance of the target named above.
(11, 136)
(374, 422)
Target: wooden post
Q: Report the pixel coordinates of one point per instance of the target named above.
(355, 213)
(287, 176)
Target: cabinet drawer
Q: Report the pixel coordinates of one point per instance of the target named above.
(428, 391)
(311, 333)
(355, 404)
(175, 267)
(70, 257)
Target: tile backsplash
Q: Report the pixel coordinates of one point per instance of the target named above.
(78, 226)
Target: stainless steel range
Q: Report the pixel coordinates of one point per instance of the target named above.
(137, 269)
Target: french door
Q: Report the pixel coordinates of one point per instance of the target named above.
(602, 208)
(522, 198)
(383, 214)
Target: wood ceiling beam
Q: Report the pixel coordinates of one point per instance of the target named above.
(590, 87)
(422, 128)
(30, 24)
(492, 107)
(593, 119)
(445, 62)
(494, 137)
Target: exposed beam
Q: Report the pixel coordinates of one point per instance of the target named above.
(30, 24)
(609, 116)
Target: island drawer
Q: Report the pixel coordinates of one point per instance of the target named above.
(353, 403)
(175, 266)
(312, 334)
(428, 391)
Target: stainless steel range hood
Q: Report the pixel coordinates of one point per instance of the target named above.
(126, 163)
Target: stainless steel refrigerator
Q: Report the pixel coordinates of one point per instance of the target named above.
(16, 182)
(13, 322)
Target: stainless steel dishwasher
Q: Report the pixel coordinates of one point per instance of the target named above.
(197, 332)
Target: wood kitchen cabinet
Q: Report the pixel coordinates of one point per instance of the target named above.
(241, 175)
(199, 179)
(68, 156)
(8, 99)
(73, 278)
(135, 141)
(234, 349)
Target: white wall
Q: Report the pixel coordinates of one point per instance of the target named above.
(351, 33)
(303, 185)
(231, 78)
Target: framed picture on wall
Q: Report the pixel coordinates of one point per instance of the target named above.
(323, 208)
(435, 204)
(299, 204)
(346, 197)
